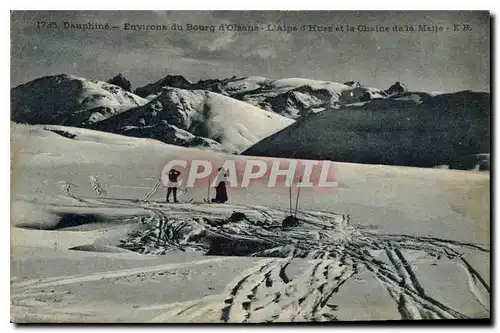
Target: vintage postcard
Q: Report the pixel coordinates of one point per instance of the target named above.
(250, 166)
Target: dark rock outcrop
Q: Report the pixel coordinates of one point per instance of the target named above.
(353, 84)
(396, 89)
(122, 82)
(174, 81)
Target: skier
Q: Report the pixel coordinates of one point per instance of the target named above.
(173, 175)
(220, 190)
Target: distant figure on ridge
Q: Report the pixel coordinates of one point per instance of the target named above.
(173, 175)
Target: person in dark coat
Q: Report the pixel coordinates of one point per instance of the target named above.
(173, 175)
(220, 190)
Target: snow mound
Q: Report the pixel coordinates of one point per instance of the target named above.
(219, 119)
(424, 131)
(98, 248)
(69, 100)
(88, 135)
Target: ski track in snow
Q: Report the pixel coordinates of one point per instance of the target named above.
(332, 249)
(336, 250)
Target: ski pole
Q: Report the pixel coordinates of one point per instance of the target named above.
(208, 189)
(297, 201)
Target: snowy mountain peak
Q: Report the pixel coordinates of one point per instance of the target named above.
(69, 100)
(121, 81)
(231, 123)
(175, 81)
(289, 97)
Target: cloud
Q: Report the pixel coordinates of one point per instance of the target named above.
(222, 41)
(429, 61)
(263, 53)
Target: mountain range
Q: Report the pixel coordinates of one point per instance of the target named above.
(292, 117)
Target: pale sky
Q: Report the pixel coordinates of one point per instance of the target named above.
(425, 61)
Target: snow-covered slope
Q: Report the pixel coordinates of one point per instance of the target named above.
(389, 243)
(233, 124)
(442, 203)
(69, 100)
(417, 130)
(290, 97)
(87, 135)
(172, 134)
